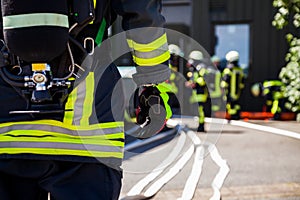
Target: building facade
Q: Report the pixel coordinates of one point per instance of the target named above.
(243, 25)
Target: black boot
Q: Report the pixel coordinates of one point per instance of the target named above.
(235, 117)
(200, 128)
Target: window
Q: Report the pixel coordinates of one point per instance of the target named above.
(233, 37)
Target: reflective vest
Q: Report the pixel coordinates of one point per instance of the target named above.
(273, 87)
(273, 93)
(200, 93)
(234, 84)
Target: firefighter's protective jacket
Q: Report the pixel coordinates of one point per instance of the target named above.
(200, 92)
(233, 82)
(73, 135)
(273, 93)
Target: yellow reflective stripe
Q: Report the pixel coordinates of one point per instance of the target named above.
(234, 91)
(152, 61)
(226, 71)
(61, 136)
(233, 88)
(49, 151)
(150, 46)
(200, 81)
(237, 107)
(35, 19)
(272, 83)
(201, 114)
(217, 85)
(68, 118)
(165, 87)
(278, 95)
(200, 98)
(67, 126)
(275, 106)
(172, 76)
(266, 91)
(215, 107)
(51, 139)
(41, 133)
(232, 111)
(88, 100)
(197, 97)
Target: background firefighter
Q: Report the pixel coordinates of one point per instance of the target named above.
(233, 84)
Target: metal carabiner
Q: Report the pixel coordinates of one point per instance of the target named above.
(92, 45)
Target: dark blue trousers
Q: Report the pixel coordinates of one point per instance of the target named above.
(33, 179)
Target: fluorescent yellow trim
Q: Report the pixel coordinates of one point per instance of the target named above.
(152, 61)
(88, 100)
(272, 83)
(69, 115)
(67, 126)
(83, 141)
(275, 106)
(201, 115)
(35, 19)
(150, 46)
(165, 87)
(46, 151)
(60, 136)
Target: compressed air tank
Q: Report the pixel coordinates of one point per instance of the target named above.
(35, 30)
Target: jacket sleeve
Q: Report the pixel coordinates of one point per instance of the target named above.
(143, 23)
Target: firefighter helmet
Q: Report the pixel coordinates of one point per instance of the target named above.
(215, 59)
(174, 49)
(232, 56)
(196, 55)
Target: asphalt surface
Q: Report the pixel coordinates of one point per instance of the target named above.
(263, 165)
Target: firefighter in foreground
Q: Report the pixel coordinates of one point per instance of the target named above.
(64, 138)
(272, 92)
(233, 84)
(195, 75)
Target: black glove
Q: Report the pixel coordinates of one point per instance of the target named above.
(152, 110)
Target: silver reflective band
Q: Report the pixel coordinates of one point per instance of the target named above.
(61, 145)
(151, 54)
(57, 129)
(35, 19)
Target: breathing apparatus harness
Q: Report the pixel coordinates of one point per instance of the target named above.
(45, 84)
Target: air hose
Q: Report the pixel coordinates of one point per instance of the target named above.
(7, 79)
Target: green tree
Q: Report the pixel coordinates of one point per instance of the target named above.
(288, 11)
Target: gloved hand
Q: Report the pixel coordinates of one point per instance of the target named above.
(152, 110)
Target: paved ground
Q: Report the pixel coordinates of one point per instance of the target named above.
(263, 165)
